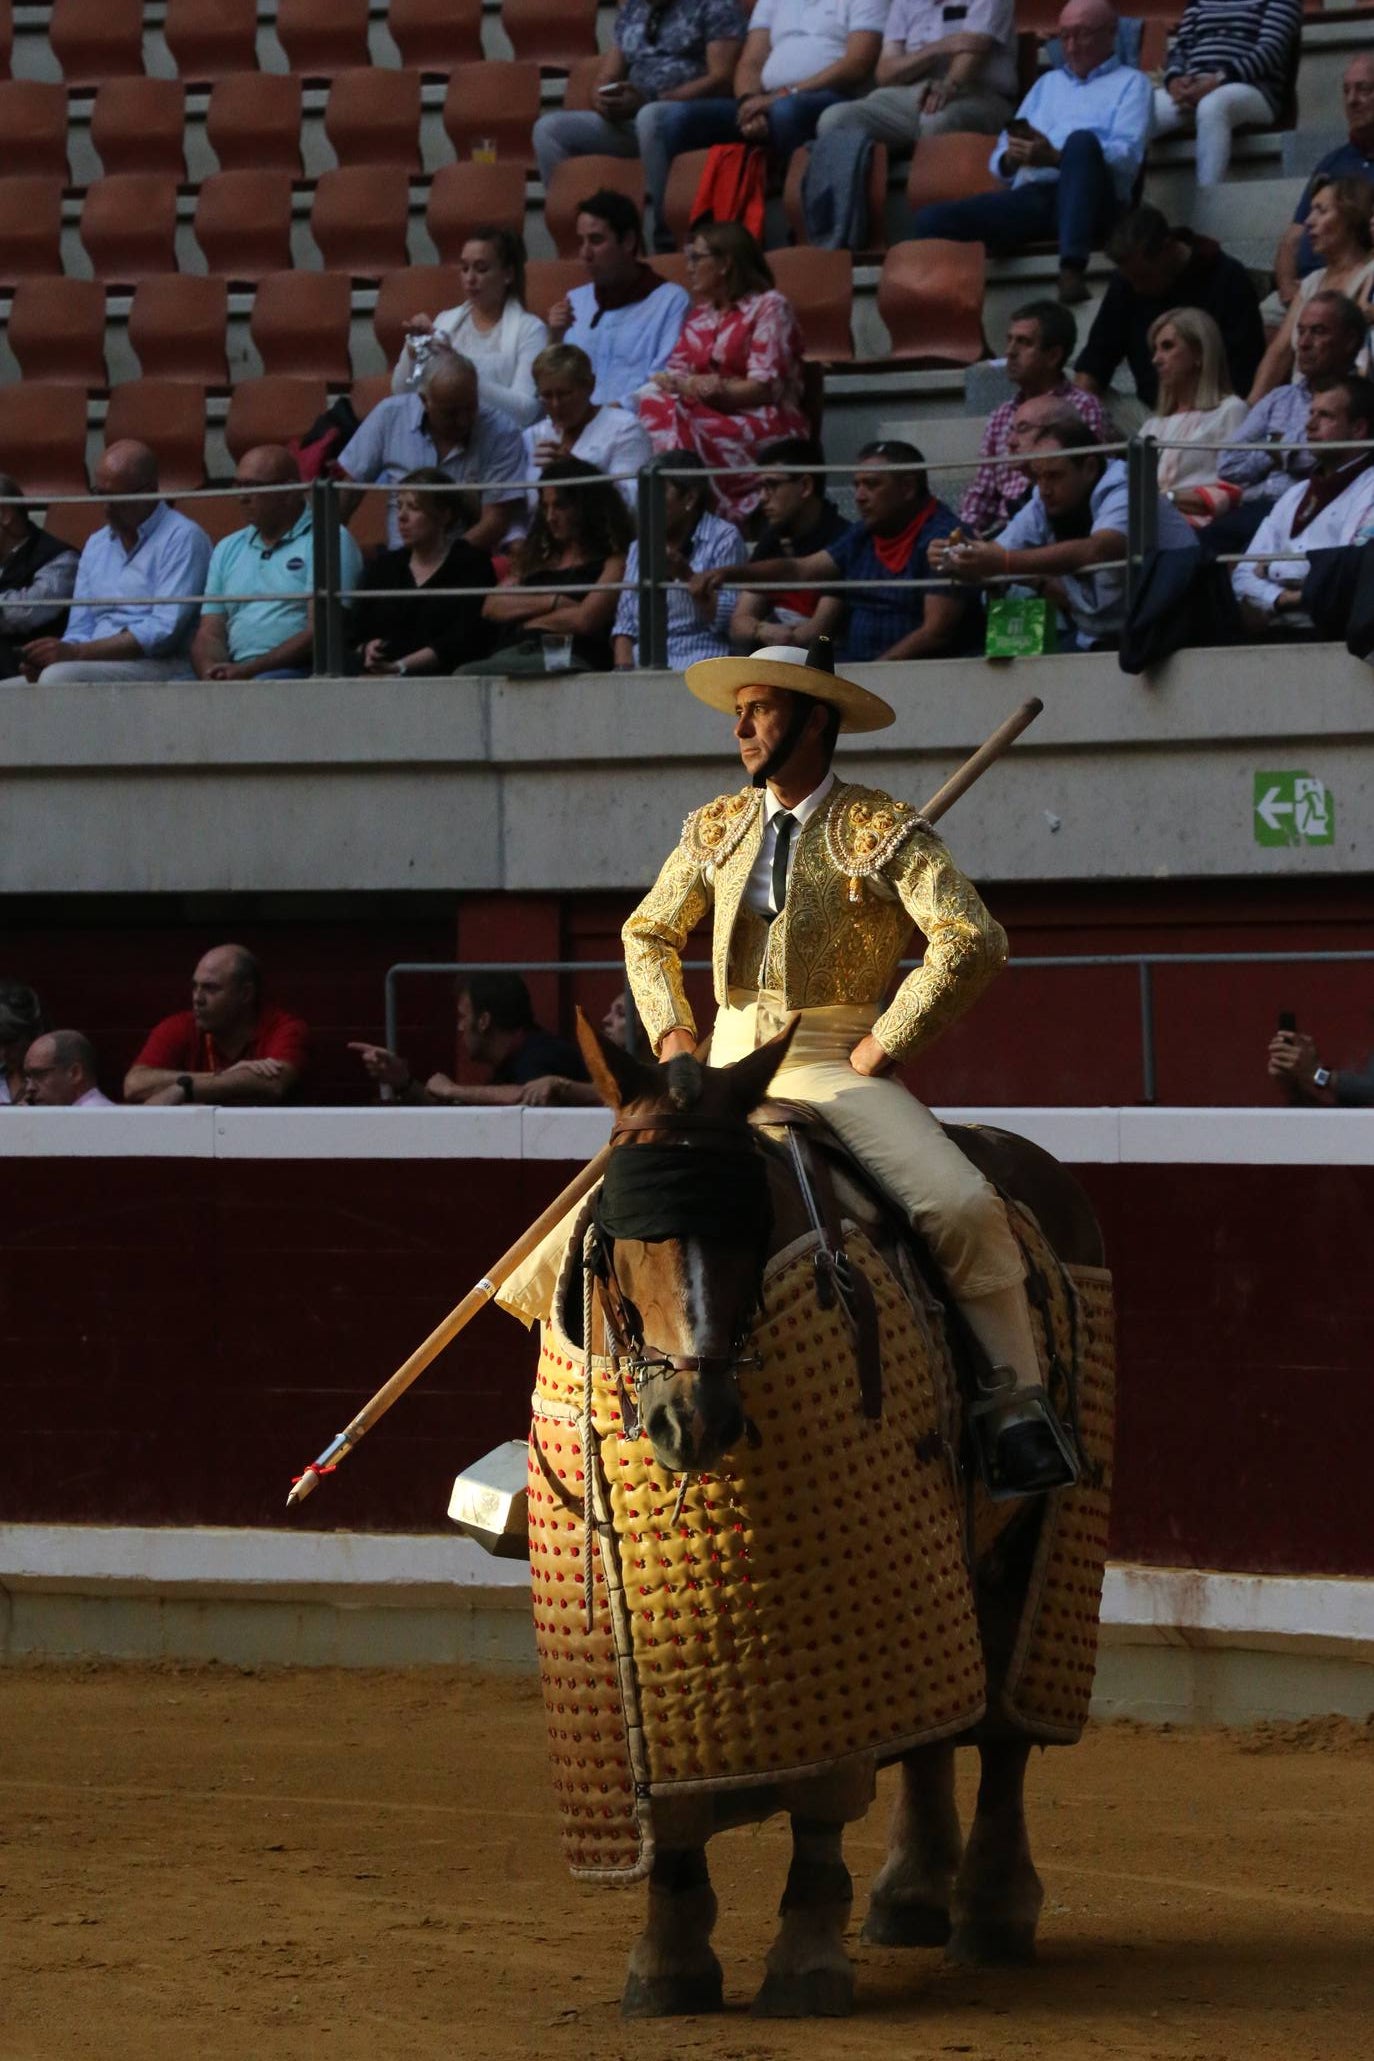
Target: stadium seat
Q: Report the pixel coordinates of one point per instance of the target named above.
(43, 437)
(177, 328)
(418, 290)
(669, 264)
(877, 197)
(360, 217)
(372, 117)
(365, 393)
(300, 323)
(462, 196)
(820, 286)
(212, 39)
(684, 177)
(435, 35)
(243, 223)
(139, 125)
(6, 37)
(321, 37)
(272, 411)
(573, 180)
(494, 103)
(579, 94)
(129, 225)
(30, 228)
(253, 123)
(169, 416)
(33, 129)
(548, 280)
(219, 515)
(57, 330)
(555, 33)
(950, 167)
(930, 296)
(94, 40)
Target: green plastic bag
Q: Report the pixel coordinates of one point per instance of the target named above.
(1021, 626)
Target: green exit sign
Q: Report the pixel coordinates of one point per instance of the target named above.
(1293, 808)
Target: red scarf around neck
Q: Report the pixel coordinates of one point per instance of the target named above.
(893, 553)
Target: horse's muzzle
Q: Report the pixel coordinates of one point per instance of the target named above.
(692, 1420)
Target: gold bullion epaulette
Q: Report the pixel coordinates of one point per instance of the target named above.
(864, 832)
(712, 832)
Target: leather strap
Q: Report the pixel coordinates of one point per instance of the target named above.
(836, 1275)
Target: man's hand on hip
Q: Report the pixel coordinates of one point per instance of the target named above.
(869, 1058)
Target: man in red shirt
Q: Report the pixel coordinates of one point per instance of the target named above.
(227, 1047)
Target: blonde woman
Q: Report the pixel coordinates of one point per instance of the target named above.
(1197, 409)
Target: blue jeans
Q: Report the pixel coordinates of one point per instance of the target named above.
(1076, 210)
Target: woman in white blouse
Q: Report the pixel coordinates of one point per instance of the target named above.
(1197, 409)
(572, 426)
(491, 326)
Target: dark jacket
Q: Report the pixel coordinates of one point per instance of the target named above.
(453, 628)
(1210, 280)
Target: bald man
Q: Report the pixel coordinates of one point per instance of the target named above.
(129, 620)
(448, 425)
(59, 1073)
(228, 1047)
(269, 638)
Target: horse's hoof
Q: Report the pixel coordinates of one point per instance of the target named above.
(906, 1925)
(672, 1996)
(820, 1993)
(992, 1943)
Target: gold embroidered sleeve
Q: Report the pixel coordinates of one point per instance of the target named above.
(654, 937)
(965, 946)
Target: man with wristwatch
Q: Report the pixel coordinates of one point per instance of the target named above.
(229, 1047)
(1293, 1064)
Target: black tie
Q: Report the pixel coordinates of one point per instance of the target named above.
(785, 826)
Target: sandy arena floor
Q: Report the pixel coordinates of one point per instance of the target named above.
(228, 1866)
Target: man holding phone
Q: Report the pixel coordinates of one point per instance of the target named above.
(1301, 1077)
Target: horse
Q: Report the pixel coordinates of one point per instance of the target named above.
(680, 1308)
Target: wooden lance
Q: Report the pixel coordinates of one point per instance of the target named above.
(477, 1297)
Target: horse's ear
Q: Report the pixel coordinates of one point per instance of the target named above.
(616, 1074)
(749, 1078)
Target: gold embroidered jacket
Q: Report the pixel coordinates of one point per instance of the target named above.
(866, 870)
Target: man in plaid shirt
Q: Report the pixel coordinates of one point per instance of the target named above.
(1041, 338)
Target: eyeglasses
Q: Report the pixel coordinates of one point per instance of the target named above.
(699, 257)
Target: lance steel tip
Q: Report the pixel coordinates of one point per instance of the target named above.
(302, 1486)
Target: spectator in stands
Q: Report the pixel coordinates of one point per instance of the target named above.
(697, 542)
(229, 1046)
(1329, 335)
(491, 327)
(497, 1029)
(800, 518)
(37, 575)
(1070, 158)
(579, 539)
(59, 1073)
(1231, 62)
(733, 381)
(1197, 410)
(1295, 256)
(1323, 512)
(448, 427)
(22, 1019)
(389, 633)
(572, 426)
(1339, 225)
(664, 55)
(625, 318)
(899, 523)
(1070, 538)
(265, 639)
(945, 65)
(1301, 1077)
(553, 1090)
(147, 554)
(1158, 268)
(1040, 341)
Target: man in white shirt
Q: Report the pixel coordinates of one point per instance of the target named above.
(59, 1073)
(1324, 512)
(945, 65)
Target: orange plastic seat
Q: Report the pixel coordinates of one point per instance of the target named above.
(272, 411)
(33, 129)
(551, 279)
(579, 93)
(463, 197)
(877, 196)
(254, 123)
(950, 168)
(177, 328)
(43, 438)
(418, 290)
(169, 416)
(129, 225)
(496, 104)
(57, 330)
(301, 321)
(684, 177)
(555, 33)
(372, 117)
(820, 286)
(577, 178)
(435, 35)
(94, 40)
(212, 39)
(243, 223)
(360, 219)
(366, 393)
(139, 125)
(30, 227)
(930, 296)
(670, 264)
(321, 37)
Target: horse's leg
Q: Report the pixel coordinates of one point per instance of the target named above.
(673, 1971)
(997, 1895)
(808, 1973)
(912, 1892)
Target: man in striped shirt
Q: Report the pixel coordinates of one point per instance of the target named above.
(1041, 338)
(1231, 62)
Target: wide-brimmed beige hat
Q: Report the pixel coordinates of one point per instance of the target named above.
(716, 681)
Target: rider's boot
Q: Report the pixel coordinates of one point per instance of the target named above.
(1022, 1447)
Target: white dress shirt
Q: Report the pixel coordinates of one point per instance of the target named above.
(1282, 557)
(758, 889)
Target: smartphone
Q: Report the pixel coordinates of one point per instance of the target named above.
(1021, 128)
(1287, 1020)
